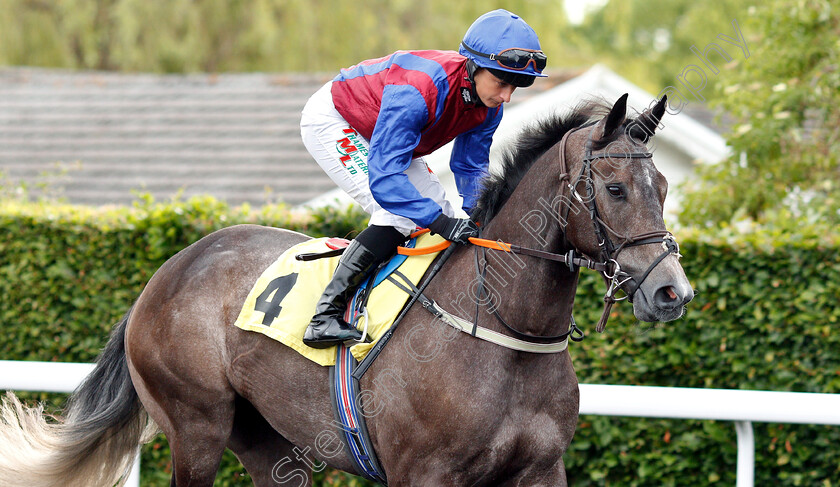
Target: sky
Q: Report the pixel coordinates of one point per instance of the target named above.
(576, 9)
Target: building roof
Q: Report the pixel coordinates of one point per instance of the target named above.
(234, 136)
(682, 142)
(699, 141)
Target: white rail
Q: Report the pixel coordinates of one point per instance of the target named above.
(742, 407)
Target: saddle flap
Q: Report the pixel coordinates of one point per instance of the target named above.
(281, 301)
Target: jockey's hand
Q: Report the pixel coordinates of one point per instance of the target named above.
(457, 230)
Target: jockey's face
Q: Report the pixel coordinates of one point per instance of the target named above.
(491, 90)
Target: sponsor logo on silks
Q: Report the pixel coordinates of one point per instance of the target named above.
(466, 94)
(353, 152)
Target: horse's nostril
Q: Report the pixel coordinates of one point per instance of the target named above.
(667, 297)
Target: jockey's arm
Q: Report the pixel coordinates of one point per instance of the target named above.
(471, 156)
(402, 116)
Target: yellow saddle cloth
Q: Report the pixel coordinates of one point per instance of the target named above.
(283, 300)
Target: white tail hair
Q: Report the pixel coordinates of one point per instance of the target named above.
(93, 445)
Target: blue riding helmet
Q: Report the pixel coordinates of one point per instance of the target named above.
(506, 45)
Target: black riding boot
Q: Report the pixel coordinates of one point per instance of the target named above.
(327, 327)
(372, 246)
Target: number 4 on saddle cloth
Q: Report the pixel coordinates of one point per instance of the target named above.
(283, 300)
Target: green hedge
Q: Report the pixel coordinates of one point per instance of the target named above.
(67, 274)
(763, 319)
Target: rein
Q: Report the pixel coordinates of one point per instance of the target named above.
(574, 333)
(608, 266)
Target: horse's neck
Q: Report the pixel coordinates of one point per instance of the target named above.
(537, 294)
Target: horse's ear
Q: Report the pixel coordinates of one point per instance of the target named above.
(644, 126)
(616, 116)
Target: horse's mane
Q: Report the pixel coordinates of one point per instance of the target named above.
(532, 143)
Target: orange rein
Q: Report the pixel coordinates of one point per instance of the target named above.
(481, 242)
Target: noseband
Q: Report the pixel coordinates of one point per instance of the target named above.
(609, 251)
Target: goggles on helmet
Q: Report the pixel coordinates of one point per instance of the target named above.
(515, 58)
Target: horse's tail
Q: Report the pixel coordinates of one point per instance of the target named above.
(93, 445)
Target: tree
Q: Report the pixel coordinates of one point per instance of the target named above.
(182, 36)
(785, 99)
(649, 41)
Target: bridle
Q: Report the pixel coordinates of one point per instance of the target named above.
(607, 262)
(608, 265)
(615, 277)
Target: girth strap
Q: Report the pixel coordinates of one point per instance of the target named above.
(491, 336)
(346, 401)
(476, 331)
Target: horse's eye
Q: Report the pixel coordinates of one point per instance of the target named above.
(615, 190)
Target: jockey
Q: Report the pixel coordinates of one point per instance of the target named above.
(370, 127)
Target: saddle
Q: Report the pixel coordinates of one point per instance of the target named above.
(282, 301)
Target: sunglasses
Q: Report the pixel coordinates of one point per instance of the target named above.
(515, 58)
